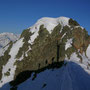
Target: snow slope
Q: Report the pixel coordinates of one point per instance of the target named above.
(10, 67)
(85, 61)
(69, 77)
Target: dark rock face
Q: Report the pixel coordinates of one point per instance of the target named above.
(73, 22)
(50, 47)
(44, 48)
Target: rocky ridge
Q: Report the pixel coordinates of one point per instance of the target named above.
(49, 40)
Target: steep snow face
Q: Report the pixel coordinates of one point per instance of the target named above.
(68, 44)
(84, 63)
(5, 38)
(10, 67)
(88, 52)
(74, 58)
(49, 24)
(69, 77)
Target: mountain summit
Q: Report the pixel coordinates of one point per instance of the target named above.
(48, 42)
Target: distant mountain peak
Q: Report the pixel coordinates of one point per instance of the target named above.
(5, 39)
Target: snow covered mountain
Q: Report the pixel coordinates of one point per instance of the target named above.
(5, 39)
(50, 40)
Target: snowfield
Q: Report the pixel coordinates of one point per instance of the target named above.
(76, 59)
(10, 67)
(69, 77)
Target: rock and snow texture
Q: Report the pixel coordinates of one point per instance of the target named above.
(10, 67)
(49, 24)
(69, 77)
(5, 38)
